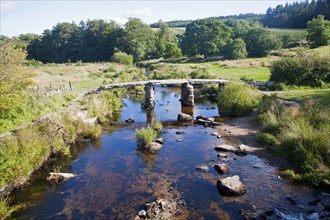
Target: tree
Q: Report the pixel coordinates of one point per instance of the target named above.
(260, 41)
(166, 41)
(236, 49)
(14, 80)
(138, 39)
(172, 51)
(318, 31)
(205, 36)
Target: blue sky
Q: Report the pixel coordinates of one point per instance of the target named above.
(20, 17)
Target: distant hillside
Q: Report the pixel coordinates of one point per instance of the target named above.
(296, 14)
(184, 23)
(293, 15)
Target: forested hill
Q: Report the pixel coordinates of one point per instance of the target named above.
(184, 23)
(296, 14)
(293, 15)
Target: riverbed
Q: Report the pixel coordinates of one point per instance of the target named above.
(114, 180)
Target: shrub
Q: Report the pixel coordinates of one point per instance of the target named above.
(201, 73)
(303, 69)
(266, 139)
(237, 100)
(236, 50)
(122, 58)
(145, 136)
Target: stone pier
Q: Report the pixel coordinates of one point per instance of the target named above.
(187, 95)
(150, 95)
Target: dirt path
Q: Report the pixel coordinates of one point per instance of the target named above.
(243, 130)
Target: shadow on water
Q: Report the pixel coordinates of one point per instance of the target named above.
(114, 179)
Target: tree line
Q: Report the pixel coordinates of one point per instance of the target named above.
(296, 14)
(100, 40)
(290, 15)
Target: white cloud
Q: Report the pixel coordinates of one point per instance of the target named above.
(7, 6)
(120, 20)
(140, 12)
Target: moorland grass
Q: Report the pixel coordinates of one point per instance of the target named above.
(304, 137)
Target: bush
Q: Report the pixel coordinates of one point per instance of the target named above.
(237, 100)
(303, 69)
(236, 50)
(145, 136)
(266, 139)
(122, 58)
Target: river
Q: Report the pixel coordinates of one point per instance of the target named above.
(114, 180)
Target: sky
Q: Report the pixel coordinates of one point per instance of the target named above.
(24, 16)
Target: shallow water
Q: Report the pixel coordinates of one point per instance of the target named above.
(115, 180)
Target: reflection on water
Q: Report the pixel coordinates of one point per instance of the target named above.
(115, 180)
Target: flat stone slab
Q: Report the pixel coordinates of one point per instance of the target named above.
(225, 147)
(231, 186)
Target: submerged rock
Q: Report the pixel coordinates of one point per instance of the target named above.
(222, 168)
(59, 177)
(165, 209)
(180, 132)
(222, 155)
(231, 186)
(184, 117)
(202, 167)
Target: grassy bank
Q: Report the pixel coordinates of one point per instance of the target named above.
(320, 96)
(83, 77)
(301, 135)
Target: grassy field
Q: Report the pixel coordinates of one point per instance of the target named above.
(321, 96)
(282, 31)
(237, 73)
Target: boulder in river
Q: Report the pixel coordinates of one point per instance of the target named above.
(130, 120)
(225, 147)
(203, 117)
(202, 167)
(59, 177)
(159, 140)
(180, 132)
(222, 168)
(164, 209)
(184, 117)
(154, 147)
(231, 186)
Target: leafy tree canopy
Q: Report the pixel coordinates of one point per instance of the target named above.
(318, 31)
(14, 80)
(205, 36)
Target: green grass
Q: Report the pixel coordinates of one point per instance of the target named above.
(281, 31)
(145, 136)
(323, 51)
(229, 73)
(303, 133)
(321, 96)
